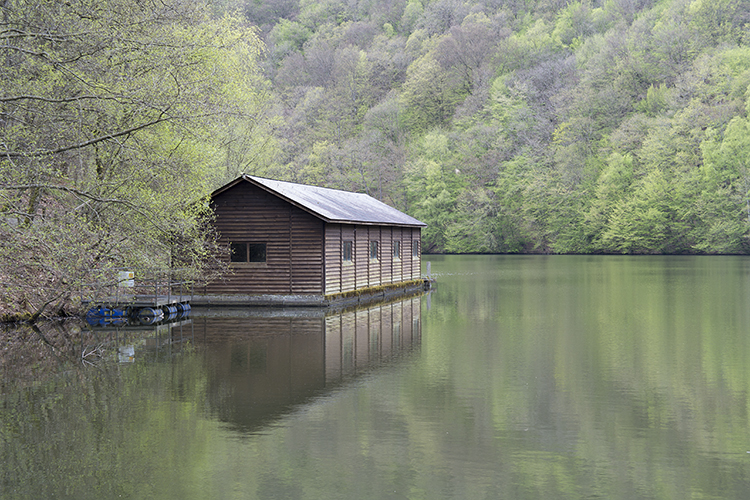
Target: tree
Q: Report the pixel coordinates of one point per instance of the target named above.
(429, 95)
(720, 20)
(466, 48)
(723, 204)
(563, 122)
(651, 220)
(108, 121)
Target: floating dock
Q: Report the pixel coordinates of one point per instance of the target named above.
(150, 298)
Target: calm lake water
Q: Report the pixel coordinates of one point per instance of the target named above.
(517, 377)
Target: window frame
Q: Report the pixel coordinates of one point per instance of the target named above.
(397, 249)
(251, 254)
(374, 250)
(347, 251)
(415, 253)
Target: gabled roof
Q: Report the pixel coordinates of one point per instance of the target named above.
(330, 205)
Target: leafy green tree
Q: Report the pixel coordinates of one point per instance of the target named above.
(574, 24)
(431, 190)
(409, 19)
(723, 205)
(721, 20)
(613, 188)
(429, 95)
(268, 12)
(106, 144)
(651, 221)
(482, 224)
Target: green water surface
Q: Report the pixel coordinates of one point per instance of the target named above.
(517, 377)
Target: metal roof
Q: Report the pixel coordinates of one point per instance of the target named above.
(331, 205)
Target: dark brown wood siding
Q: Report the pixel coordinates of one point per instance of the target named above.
(362, 271)
(307, 237)
(293, 237)
(386, 255)
(334, 257)
(340, 274)
(413, 264)
(349, 269)
(374, 265)
(362, 256)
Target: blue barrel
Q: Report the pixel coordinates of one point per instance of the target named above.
(150, 312)
(149, 320)
(170, 313)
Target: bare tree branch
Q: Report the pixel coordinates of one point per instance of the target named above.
(84, 194)
(58, 101)
(49, 152)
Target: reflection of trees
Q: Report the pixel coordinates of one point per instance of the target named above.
(73, 430)
(635, 387)
(36, 352)
(78, 430)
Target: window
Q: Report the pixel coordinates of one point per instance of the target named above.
(373, 250)
(397, 249)
(256, 252)
(415, 249)
(239, 252)
(248, 252)
(347, 251)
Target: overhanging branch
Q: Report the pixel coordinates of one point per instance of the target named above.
(57, 101)
(84, 194)
(91, 142)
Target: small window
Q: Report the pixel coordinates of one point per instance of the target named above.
(396, 249)
(347, 251)
(415, 248)
(239, 252)
(373, 249)
(248, 252)
(256, 252)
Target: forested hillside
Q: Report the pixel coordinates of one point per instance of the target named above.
(540, 126)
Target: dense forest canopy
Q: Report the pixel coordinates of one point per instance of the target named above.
(617, 126)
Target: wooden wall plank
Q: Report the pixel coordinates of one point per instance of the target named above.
(362, 250)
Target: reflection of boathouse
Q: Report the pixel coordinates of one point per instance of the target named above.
(297, 241)
(274, 360)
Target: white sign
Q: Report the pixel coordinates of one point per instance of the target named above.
(125, 279)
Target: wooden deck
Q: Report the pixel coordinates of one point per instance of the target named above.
(140, 301)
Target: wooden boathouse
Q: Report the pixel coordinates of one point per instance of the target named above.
(291, 240)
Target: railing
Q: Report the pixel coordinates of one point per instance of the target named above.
(160, 286)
